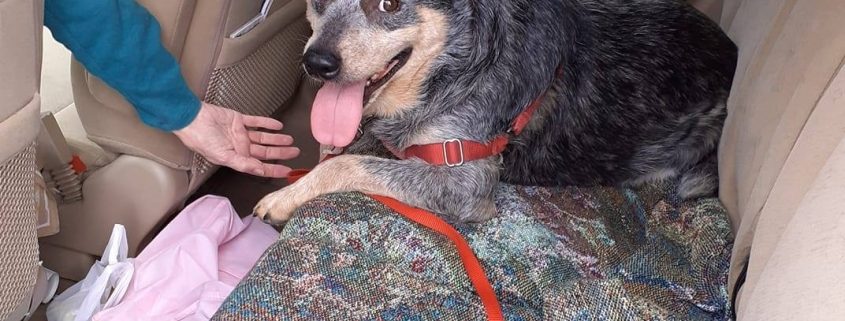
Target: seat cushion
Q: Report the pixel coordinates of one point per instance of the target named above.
(785, 119)
(803, 277)
(551, 254)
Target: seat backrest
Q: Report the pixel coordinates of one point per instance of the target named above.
(782, 157)
(110, 120)
(254, 73)
(712, 8)
(20, 63)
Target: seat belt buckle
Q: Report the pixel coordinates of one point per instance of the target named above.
(62, 170)
(78, 165)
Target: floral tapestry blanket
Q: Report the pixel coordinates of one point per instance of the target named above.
(551, 254)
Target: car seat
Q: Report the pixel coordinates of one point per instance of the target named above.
(782, 154)
(782, 157)
(139, 176)
(21, 278)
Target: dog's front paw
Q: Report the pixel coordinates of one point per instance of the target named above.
(277, 208)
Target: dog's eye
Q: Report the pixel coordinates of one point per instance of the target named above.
(388, 5)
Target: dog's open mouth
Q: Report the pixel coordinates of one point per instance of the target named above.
(382, 77)
(338, 107)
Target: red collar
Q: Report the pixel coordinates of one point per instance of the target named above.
(456, 152)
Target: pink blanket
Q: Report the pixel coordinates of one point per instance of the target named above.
(193, 265)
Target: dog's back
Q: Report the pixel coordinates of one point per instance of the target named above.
(642, 97)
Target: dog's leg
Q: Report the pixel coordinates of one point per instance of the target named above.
(462, 193)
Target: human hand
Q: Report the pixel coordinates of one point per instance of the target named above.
(221, 136)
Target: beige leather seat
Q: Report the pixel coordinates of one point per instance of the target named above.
(782, 157)
(20, 36)
(139, 176)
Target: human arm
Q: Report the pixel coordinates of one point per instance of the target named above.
(119, 42)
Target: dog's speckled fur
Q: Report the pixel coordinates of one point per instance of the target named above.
(642, 97)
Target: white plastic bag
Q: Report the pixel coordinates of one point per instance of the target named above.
(102, 288)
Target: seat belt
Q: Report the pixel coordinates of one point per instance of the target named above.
(62, 169)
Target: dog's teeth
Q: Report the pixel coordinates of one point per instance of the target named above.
(369, 82)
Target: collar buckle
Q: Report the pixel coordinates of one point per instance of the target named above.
(460, 152)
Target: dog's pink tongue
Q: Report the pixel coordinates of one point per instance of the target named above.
(336, 113)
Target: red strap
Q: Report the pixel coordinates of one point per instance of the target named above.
(473, 268)
(78, 165)
(296, 174)
(456, 152)
(524, 117)
(453, 153)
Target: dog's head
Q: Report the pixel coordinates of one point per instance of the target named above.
(370, 53)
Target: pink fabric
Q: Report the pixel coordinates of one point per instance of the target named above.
(193, 264)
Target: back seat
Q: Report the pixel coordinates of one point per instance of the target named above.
(782, 157)
(782, 154)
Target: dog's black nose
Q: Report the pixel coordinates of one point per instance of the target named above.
(322, 64)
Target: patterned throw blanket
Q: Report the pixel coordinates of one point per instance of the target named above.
(551, 254)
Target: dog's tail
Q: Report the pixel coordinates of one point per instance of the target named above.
(701, 180)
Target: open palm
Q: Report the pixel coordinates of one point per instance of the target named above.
(222, 136)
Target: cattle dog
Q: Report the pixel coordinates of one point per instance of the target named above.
(630, 92)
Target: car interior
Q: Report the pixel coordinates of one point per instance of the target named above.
(75, 159)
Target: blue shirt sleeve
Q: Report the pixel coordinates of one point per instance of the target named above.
(119, 41)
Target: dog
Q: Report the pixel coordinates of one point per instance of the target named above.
(621, 92)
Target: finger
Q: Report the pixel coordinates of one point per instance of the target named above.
(245, 165)
(275, 170)
(273, 153)
(270, 139)
(262, 122)
(256, 167)
(241, 139)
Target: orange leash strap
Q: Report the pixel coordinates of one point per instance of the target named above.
(472, 266)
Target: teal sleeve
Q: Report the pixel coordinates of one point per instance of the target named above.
(119, 41)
